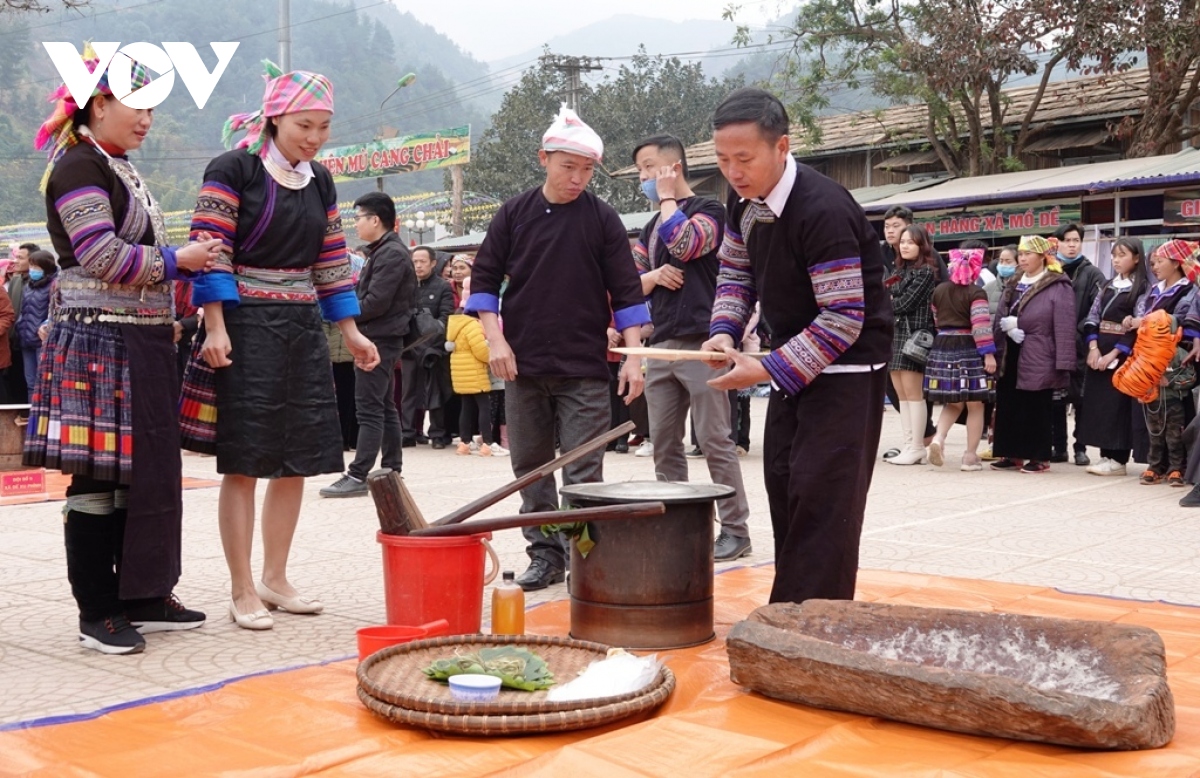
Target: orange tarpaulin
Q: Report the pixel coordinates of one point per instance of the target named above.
(308, 721)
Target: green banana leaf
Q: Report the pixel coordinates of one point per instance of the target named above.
(517, 668)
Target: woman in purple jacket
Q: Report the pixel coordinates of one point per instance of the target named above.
(1037, 355)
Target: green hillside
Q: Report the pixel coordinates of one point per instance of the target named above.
(355, 47)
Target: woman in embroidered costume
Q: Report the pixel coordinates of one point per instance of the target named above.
(1036, 355)
(962, 360)
(1106, 419)
(105, 402)
(276, 413)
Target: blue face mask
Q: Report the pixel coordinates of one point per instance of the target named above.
(1005, 271)
(36, 274)
(1070, 261)
(650, 189)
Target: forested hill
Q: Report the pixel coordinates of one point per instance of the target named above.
(358, 48)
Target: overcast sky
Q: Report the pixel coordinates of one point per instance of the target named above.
(493, 29)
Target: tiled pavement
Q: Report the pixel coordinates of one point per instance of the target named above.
(1067, 529)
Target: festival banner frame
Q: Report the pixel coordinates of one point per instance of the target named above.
(402, 154)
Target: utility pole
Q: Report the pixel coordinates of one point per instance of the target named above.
(285, 35)
(573, 67)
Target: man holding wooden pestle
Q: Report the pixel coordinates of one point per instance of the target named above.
(799, 244)
(566, 256)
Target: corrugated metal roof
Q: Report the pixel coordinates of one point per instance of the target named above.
(1146, 172)
(1069, 140)
(908, 159)
(1068, 102)
(633, 223)
(469, 242)
(869, 194)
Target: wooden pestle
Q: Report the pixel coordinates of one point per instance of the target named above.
(633, 510)
(533, 476)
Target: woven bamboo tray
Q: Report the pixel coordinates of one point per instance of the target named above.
(530, 724)
(395, 676)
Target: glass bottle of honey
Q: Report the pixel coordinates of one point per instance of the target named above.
(508, 607)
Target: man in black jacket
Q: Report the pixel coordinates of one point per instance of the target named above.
(385, 292)
(1086, 280)
(425, 376)
(676, 255)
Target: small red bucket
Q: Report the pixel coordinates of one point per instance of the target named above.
(372, 639)
(428, 578)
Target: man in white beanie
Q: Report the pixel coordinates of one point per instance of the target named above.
(567, 258)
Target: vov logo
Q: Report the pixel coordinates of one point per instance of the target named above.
(118, 61)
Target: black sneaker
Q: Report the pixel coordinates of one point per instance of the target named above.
(1082, 459)
(695, 453)
(1191, 499)
(540, 574)
(114, 635)
(729, 547)
(165, 615)
(346, 486)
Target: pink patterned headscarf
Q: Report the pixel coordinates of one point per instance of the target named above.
(965, 266)
(57, 133)
(1185, 253)
(286, 93)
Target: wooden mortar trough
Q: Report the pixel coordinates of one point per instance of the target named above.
(1090, 684)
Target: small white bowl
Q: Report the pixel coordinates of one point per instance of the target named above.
(472, 687)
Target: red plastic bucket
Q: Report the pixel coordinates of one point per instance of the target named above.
(425, 579)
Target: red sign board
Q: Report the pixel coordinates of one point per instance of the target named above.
(21, 483)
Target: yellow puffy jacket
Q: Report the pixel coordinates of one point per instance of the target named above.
(469, 360)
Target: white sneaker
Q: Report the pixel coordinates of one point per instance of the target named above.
(1107, 466)
(645, 450)
(498, 450)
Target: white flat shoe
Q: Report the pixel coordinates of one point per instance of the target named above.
(259, 619)
(295, 604)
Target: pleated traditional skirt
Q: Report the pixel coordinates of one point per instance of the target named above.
(955, 371)
(276, 404)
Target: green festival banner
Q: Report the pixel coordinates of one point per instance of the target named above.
(1026, 218)
(404, 154)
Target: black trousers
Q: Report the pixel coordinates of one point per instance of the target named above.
(739, 420)
(819, 453)
(343, 384)
(475, 417)
(375, 408)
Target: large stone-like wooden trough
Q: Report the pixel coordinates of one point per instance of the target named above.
(1078, 683)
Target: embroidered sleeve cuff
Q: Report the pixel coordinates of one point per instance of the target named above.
(633, 316)
(481, 301)
(1189, 332)
(335, 307)
(1092, 337)
(725, 326)
(215, 287)
(668, 228)
(1123, 349)
(782, 375)
(987, 348)
(170, 268)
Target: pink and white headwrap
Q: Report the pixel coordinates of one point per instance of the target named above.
(965, 266)
(569, 133)
(286, 93)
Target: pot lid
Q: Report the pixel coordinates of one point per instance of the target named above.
(648, 491)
